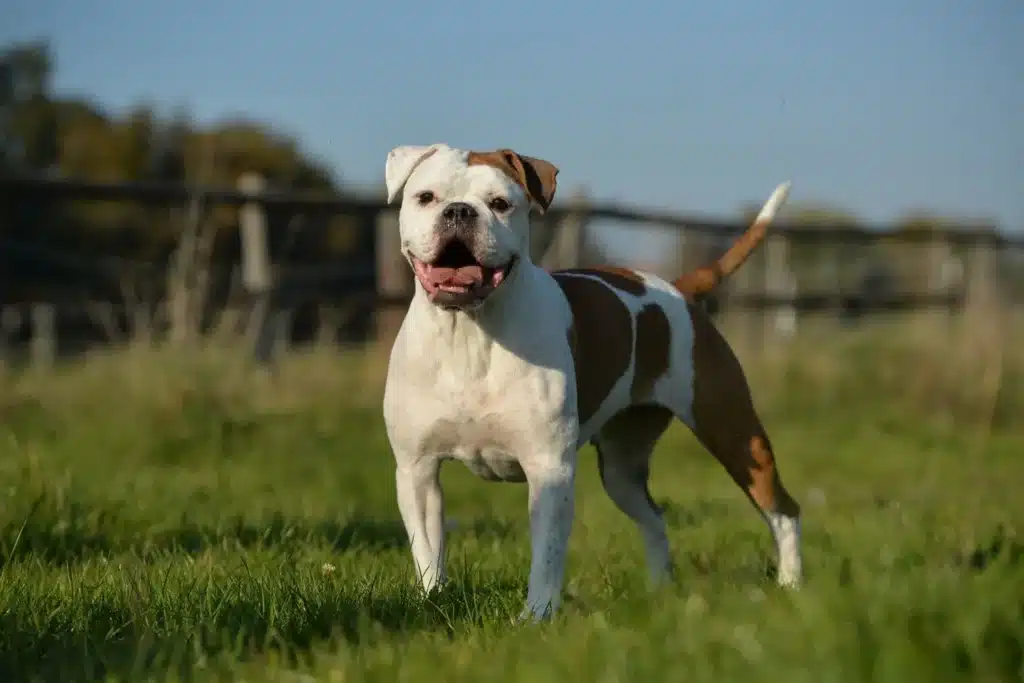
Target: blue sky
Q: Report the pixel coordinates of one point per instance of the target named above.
(877, 107)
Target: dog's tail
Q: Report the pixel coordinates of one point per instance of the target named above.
(706, 278)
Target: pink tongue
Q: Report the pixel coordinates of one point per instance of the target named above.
(464, 276)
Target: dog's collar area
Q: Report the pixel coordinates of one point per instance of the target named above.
(456, 280)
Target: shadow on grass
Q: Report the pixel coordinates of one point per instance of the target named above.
(1000, 548)
(73, 532)
(80, 534)
(108, 640)
(695, 512)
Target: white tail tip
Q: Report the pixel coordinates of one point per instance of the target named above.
(775, 202)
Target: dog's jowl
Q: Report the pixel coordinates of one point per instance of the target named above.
(511, 369)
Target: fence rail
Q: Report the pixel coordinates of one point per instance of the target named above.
(67, 189)
(950, 265)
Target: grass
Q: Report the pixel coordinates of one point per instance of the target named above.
(180, 516)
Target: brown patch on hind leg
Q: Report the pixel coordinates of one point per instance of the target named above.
(764, 485)
(726, 423)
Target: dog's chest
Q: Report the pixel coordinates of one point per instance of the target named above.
(493, 423)
(486, 423)
(495, 400)
(484, 444)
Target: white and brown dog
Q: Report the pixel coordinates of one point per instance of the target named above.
(511, 369)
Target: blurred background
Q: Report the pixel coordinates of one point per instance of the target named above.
(167, 170)
(200, 281)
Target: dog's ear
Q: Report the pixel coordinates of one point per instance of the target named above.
(402, 161)
(538, 177)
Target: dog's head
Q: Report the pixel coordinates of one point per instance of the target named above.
(465, 216)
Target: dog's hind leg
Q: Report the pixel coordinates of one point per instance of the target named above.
(723, 418)
(624, 447)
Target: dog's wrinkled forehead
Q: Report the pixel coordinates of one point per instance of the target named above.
(454, 173)
(457, 174)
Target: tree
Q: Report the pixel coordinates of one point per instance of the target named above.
(27, 122)
(46, 133)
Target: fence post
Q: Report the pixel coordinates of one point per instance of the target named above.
(394, 278)
(543, 231)
(985, 338)
(779, 320)
(677, 264)
(10, 321)
(943, 274)
(43, 349)
(257, 277)
(982, 285)
(741, 319)
(565, 250)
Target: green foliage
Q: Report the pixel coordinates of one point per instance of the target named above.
(27, 122)
(79, 140)
(74, 138)
(119, 246)
(203, 521)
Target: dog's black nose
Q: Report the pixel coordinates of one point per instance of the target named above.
(459, 212)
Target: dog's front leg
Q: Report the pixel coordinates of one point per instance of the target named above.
(551, 517)
(421, 504)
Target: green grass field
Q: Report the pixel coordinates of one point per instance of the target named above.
(179, 516)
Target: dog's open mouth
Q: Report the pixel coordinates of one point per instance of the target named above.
(455, 279)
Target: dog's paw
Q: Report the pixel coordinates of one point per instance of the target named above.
(789, 582)
(535, 614)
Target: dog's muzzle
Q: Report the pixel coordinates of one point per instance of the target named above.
(457, 279)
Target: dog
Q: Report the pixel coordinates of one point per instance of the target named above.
(511, 369)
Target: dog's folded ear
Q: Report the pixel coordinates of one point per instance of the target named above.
(402, 161)
(537, 177)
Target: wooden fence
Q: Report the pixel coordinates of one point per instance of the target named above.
(841, 270)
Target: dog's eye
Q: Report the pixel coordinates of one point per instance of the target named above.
(425, 198)
(499, 204)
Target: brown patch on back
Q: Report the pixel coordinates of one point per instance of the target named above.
(537, 177)
(601, 340)
(653, 346)
(725, 420)
(620, 278)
